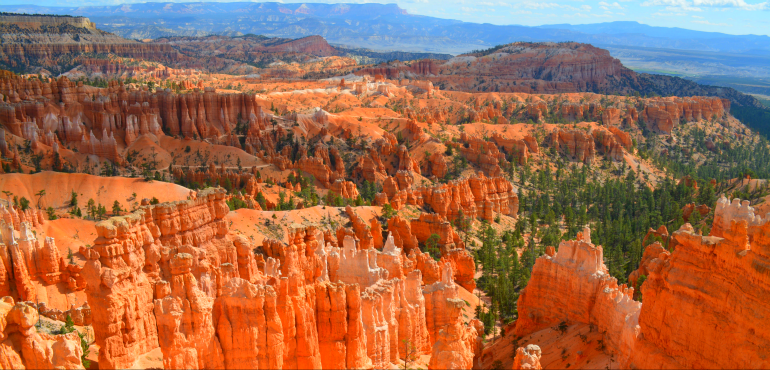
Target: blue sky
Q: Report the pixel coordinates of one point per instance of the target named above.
(727, 16)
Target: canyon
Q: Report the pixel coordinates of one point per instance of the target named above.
(254, 202)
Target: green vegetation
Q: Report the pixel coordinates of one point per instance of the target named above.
(756, 118)
(69, 327)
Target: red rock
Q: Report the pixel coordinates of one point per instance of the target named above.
(593, 296)
(623, 137)
(689, 208)
(402, 234)
(664, 114)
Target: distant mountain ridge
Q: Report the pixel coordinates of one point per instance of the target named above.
(380, 26)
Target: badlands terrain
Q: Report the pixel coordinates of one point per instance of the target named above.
(253, 202)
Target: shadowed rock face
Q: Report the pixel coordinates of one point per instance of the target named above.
(685, 319)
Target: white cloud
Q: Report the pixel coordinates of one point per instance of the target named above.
(713, 24)
(673, 5)
(697, 17)
(741, 4)
(666, 3)
(607, 6)
(694, 6)
(529, 4)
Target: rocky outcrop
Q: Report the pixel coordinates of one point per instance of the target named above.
(171, 276)
(684, 318)
(134, 261)
(708, 267)
(481, 152)
(594, 296)
(609, 144)
(248, 326)
(22, 346)
(663, 114)
(575, 144)
(527, 357)
(345, 189)
(456, 345)
(517, 148)
(477, 196)
(100, 121)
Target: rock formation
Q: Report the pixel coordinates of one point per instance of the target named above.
(477, 196)
(23, 346)
(527, 358)
(171, 276)
(684, 318)
(574, 144)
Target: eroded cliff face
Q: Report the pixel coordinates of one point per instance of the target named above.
(477, 196)
(721, 280)
(711, 290)
(172, 276)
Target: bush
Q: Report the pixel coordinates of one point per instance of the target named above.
(388, 212)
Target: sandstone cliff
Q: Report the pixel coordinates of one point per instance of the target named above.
(684, 321)
(172, 276)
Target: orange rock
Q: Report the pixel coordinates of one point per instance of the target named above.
(402, 234)
(345, 189)
(593, 296)
(608, 143)
(23, 346)
(623, 137)
(733, 250)
(454, 343)
(687, 210)
(248, 326)
(574, 144)
(185, 330)
(527, 358)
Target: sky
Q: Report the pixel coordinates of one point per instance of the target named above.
(738, 17)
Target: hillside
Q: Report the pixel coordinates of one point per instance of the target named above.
(549, 68)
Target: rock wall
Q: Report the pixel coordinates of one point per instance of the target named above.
(477, 196)
(709, 277)
(100, 121)
(691, 296)
(663, 114)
